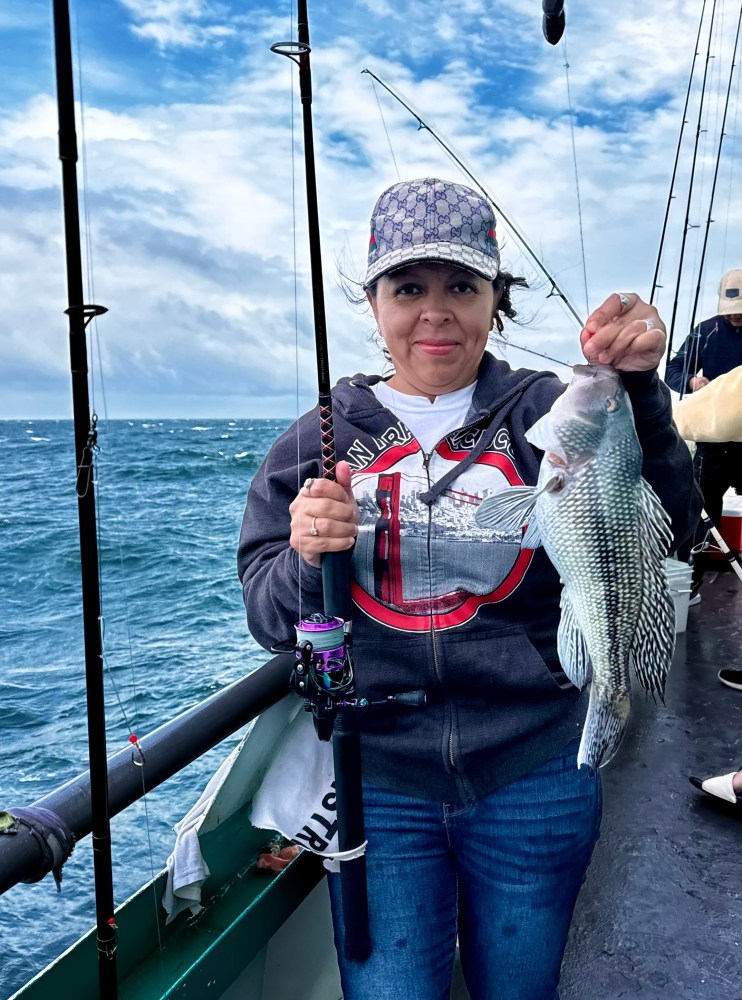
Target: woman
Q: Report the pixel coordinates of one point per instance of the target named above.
(477, 817)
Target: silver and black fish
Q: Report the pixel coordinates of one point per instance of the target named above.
(607, 534)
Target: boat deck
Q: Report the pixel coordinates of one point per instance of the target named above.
(660, 914)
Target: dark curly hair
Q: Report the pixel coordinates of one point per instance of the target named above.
(503, 283)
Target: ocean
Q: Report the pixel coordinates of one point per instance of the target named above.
(171, 494)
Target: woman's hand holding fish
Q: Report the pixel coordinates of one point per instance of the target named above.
(624, 332)
(324, 516)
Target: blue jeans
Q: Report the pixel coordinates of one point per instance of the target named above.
(503, 872)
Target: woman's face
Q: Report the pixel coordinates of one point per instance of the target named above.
(435, 320)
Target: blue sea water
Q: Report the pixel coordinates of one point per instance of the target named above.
(170, 499)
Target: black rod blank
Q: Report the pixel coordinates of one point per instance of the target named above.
(671, 195)
(84, 446)
(336, 566)
(709, 220)
(686, 223)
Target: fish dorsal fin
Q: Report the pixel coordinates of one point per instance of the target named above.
(571, 646)
(654, 639)
(508, 510)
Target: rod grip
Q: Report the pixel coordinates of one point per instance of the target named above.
(347, 754)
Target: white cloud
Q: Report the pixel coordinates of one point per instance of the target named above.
(191, 201)
(180, 23)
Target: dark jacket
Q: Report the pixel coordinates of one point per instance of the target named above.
(440, 604)
(714, 346)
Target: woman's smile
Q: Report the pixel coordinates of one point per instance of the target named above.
(437, 347)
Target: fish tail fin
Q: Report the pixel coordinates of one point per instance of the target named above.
(605, 727)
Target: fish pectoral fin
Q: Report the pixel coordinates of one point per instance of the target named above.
(654, 638)
(571, 645)
(509, 510)
(532, 538)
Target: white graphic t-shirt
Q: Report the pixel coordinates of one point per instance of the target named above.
(429, 422)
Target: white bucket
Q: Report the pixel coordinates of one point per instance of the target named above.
(679, 577)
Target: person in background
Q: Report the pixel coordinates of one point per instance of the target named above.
(727, 787)
(479, 822)
(713, 348)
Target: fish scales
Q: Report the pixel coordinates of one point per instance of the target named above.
(606, 533)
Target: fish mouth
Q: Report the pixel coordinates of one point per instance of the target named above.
(595, 371)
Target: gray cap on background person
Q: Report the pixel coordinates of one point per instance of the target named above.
(432, 220)
(730, 293)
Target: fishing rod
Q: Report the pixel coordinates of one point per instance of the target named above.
(671, 195)
(323, 675)
(686, 223)
(555, 289)
(80, 315)
(709, 220)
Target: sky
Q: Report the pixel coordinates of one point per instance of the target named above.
(192, 186)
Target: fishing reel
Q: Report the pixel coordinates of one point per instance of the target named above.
(323, 674)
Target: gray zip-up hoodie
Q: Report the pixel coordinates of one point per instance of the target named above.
(440, 604)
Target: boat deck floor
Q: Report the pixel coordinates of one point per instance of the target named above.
(660, 914)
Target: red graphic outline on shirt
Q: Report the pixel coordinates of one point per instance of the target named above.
(445, 610)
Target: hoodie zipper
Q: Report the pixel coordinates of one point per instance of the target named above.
(450, 763)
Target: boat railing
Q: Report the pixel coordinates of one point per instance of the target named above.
(166, 751)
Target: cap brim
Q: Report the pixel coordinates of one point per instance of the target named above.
(469, 258)
(730, 307)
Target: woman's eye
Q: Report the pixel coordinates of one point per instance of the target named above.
(463, 286)
(409, 288)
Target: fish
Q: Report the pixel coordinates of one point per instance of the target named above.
(605, 531)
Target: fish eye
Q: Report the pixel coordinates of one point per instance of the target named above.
(611, 405)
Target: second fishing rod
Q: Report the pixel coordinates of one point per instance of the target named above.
(330, 692)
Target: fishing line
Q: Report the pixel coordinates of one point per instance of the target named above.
(95, 348)
(692, 356)
(735, 140)
(500, 343)
(690, 186)
(96, 355)
(556, 291)
(529, 350)
(386, 130)
(577, 178)
(671, 194)
(716, 168)
(153, 874)
(292, 22)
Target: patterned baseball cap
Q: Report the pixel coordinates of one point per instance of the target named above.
(730, 293)
(432, 220)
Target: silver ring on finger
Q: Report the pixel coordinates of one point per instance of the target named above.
(650, 324)
(314, 530)
(624, 300)
(308, 484)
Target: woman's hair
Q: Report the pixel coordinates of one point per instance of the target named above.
(503, 283)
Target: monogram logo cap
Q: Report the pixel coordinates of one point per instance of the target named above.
(432, 220)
